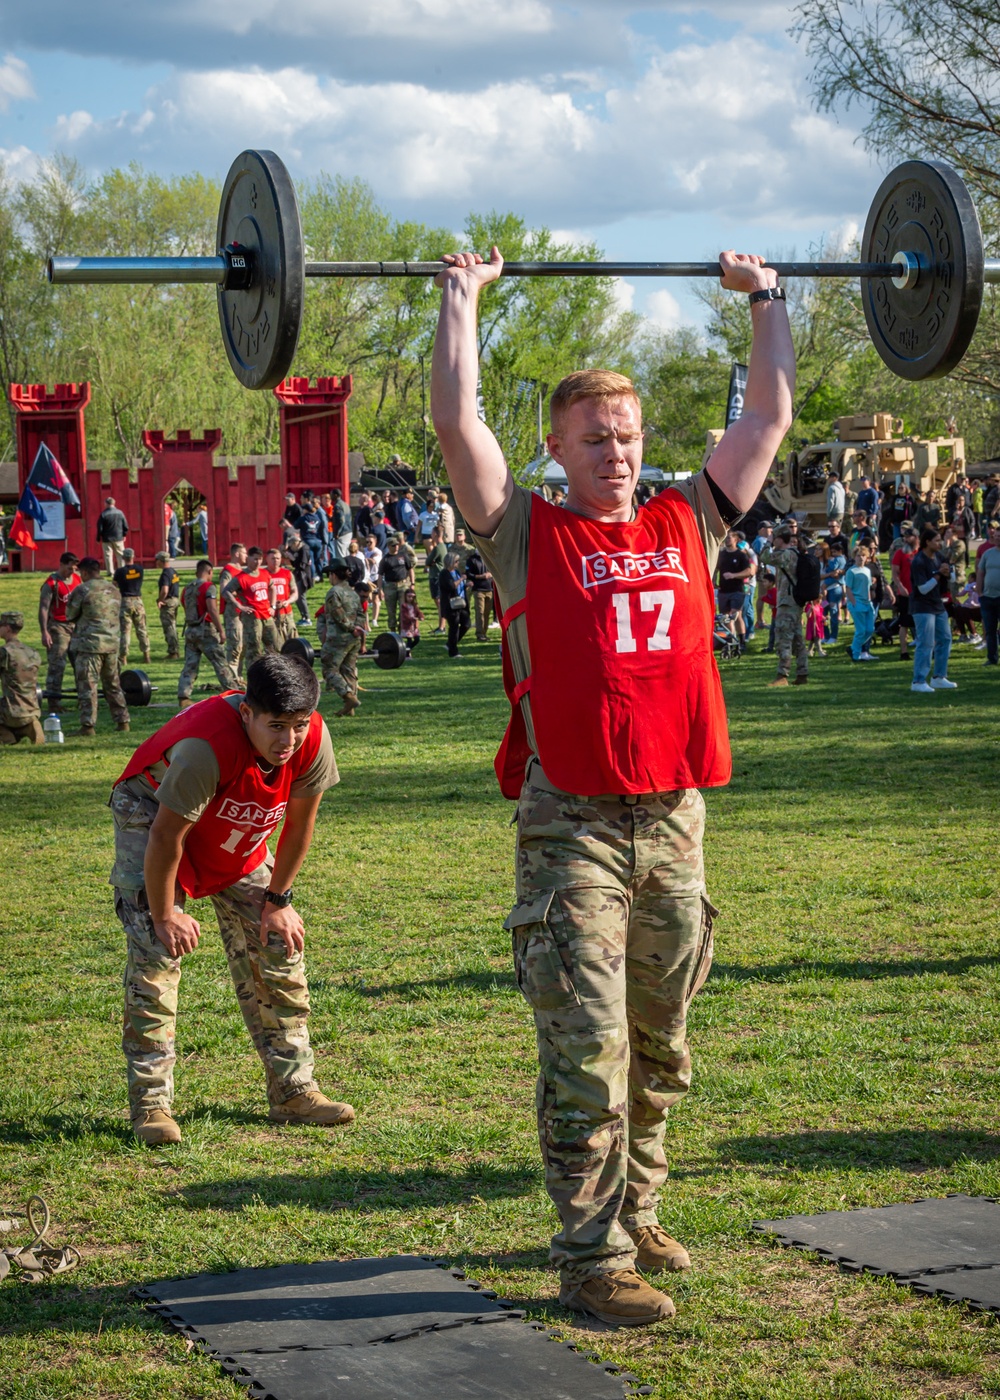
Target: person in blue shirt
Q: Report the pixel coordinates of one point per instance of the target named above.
(869, 501)
(832, 573)
(858, 584)
(930, 576)
(408, 517)
(315, 532)
(454, 603)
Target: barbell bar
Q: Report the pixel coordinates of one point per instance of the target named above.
(922, 270)
(135, 686)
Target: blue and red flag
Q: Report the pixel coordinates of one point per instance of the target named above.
(48, 476)
(28, 508)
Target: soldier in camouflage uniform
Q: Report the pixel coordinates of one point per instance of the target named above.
(203, 635)
(344, 620)
(19, 711)
(230, 613)
(168, 602)
(95, 607)
(56, 632)
(128, 580)
(783, 557)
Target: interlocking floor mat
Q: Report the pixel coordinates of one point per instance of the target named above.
(365, 1328)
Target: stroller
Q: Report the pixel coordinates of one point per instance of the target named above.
(724, 638)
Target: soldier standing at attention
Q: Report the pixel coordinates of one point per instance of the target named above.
(168, 600)
(250, 590)
(193, 811)
(234, 623)
(344, 621)
(611, 931)
(783, 557)
(128, 580)
(282, 595)
(94, 607)
(203, 635)
(56, 631)
(20, 715)
(396, 576)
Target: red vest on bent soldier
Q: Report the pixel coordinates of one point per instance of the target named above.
(232, 832)
(61, 589)
(624, 690)
(254, 589)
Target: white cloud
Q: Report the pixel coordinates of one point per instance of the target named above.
(15, 82)
(663, 309)
(19, 162)
(71, 129)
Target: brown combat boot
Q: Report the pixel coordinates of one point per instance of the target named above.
(801, 680)
(312, 1107)
(146, 658)
(86, 731)
(656, 1252)
(184, 705)
(622, 1299)
(155, 1127)
(123, 726)
(173, 656)
(782, 680)
(351, 703)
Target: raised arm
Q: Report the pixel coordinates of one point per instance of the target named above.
(477, 471)
(742, 460)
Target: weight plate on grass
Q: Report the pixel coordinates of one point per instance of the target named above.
(923, 207)
(298, 646)
(136, 688)
(390, 651)
(259, 216)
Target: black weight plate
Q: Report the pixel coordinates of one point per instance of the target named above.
(298, 646)
(260, 326)
(390, 651)
(923, 207)
(136, 687)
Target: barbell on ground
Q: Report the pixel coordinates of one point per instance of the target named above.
(389, 650)
(135, 685)
(922, 269)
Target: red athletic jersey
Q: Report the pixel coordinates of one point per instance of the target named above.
(227, 572)
(232, 832)
(625, 692)
(902, 561)
(254, 589)
(283, 589)
(61, 589)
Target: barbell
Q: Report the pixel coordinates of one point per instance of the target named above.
(922, 269)
(390, 650)
(135, 686)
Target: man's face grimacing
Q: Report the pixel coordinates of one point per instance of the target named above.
(599, 446)
(275, 737)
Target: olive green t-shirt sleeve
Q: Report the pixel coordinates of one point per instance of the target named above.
(711, 526)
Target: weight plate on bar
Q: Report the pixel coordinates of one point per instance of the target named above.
(298, 646)
(260, 325)
(136, 687)
(923, 207)
(390, 651)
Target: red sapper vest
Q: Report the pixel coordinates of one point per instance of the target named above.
(282, 590)
(201, 599)
(255, 591)
(227, 572)
(232, 831)
(625, 693)
(61, 589)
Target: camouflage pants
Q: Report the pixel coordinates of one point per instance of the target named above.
(612, 937)
(284, 628)
(13, 733)
(339, 662)
(233, 622)
(393, 597)
(90, 669)
(203, 642)
(788, 640)
(132, 610)
(259, 635)
(270, 984)
(61, 634)
(168, 621)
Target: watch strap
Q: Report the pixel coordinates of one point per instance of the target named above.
(767, 294)
(280, 901)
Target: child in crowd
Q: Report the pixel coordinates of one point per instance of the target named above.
(410, 618)
(815, 627)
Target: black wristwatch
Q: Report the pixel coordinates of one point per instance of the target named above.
(280, 901)
(768, 294)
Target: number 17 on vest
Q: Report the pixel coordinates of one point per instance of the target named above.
(659, 598)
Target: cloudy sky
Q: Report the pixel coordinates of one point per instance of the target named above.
(664, 130)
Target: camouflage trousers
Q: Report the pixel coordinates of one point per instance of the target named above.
(233, 623)
(133, 610)
(338, 659)
(58, 653)
(203, 642)
(789, 641)
(270, 984)
(259, 635)
(612, 937)
(168, 621)
(89, 669)
(13, 733)
(284, 628)
(393, 593)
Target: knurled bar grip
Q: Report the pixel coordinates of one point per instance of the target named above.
(214, 270)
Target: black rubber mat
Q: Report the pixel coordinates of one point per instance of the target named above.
(979, 1288)
(904, 1241)
(365, 1328)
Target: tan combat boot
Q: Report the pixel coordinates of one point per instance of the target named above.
(123, 726)
(773, 685)
(155, 1127)
(86, 731)
(622, 1299)
(351, 703)
(656, 1252)
(312, 1107)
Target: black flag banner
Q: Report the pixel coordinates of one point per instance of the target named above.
(737, 391)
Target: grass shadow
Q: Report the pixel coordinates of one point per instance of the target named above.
(359, 1191)
(831, 1150)
(850, 970)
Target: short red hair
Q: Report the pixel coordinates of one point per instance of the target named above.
(602, 384)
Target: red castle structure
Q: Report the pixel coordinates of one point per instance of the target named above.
(245, 500)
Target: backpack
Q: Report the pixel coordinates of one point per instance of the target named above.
(806, 588)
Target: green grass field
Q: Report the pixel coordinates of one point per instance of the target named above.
(846, 1045)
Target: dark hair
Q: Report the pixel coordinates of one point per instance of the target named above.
(68, 558)
(89, 564)
(255, 549)
(928, 533)
(281, 685)
(201, 566)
